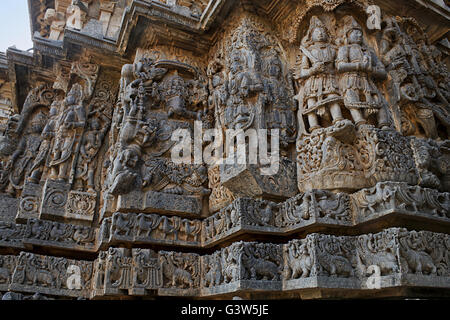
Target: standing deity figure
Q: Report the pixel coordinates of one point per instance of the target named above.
(394, 56)
(218, 96)
(359, 66)
(91, 144)
(320, 91)
(47, 136)
(240, 86)
(281, 114)
(70, 126)
(23, 157)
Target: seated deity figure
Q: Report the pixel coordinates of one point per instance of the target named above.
(359, 66)
(321, 88)
(176, 94)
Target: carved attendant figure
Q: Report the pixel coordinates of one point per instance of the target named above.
(282, 111)
(218, 96)
(359, 65)
(92, 143)
(321, 89)
(23, 157)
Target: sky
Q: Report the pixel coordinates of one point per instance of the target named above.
(14, 25)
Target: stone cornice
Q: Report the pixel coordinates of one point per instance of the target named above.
(158, 13)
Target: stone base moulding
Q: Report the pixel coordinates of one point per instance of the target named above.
(393, 259)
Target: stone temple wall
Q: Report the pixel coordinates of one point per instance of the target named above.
(93, 205)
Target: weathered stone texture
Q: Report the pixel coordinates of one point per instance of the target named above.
(353, 102)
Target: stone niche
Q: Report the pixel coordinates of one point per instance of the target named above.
(251, 89)
(355, 91)
(159, 95)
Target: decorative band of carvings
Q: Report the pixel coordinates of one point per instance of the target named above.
(59, 235)
(11, 234)
(321, 208)
(304, 212)
(51, 275)
(392, 258)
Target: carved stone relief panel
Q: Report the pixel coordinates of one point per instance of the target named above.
(249, 81)
(52, 156)
(52, 275)
(400, 197)
(153, 228)
(157, 97)
(59, 235)
(11, 234)
(7, 266)
(350, 261)
(356, 99)
(147, 271)
(418, 79)
(181, 273)
(325, 161)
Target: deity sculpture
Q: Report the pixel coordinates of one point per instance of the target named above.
(123, 176)
(359, 67)
(23, 157)
(218, 96)
(281, 115)
(70, 126)
(92, 142)
(47, 136)
(414, 94)
(393, 55)
(176, 94)
(320, 92)
(240, 86)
